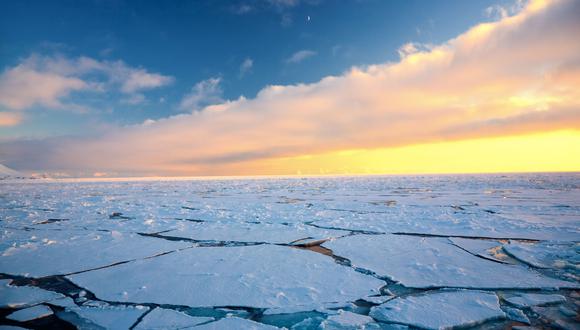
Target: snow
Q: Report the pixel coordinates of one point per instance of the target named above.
(23, 296)
(477, 247)
(346, 320)
(229, 242)
(255, 276)
(550, 254)
(30, 313)
(235, 323)
(419, 262)
(44, 253)
(112, 318)
(160, 318)
(439, 310)
(524, 300)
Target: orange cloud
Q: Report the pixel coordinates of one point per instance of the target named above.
(10, 118)
(518, 75)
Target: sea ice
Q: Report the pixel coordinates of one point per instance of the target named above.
(117, 317)
(30, 313)
(550, 254)
(263, 276)
(418, 262)
(346, 321)
(58, 253)
(23, 296)
(160, 318)
(438, 310)
(477, 247)
(524, 300)
(235, 323)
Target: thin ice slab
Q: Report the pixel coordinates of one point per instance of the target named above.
(59, 253)
(524, 300)
(30, 313)
(445, 309)
(419, 262)
(235, 323)
(252, 232)
(477, 247)
(346, 321)
(161, 318)
(263, 276)
(550, 254)
(23, 296)
(111, 317)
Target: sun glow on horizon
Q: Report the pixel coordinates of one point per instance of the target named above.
(556, 151)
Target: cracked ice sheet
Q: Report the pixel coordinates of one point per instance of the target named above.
(418, 262)
(477, 246)
(262, 276)
(111, 317)
(247, 232)
(161, 318)
(557, 255)
(235, 323)
(23, 296)
(445, 309)
(445, 221)
(44, 253)
(524, 300)
(30, 313)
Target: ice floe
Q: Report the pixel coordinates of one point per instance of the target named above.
(346, 321)
(524, 300)
(22, 296)
(30, 313)
(160, 318)
(255, 276)
(419, 262)
(235, 323)
(57, 253)
(550, 254)
(438, 310)
(113, 317)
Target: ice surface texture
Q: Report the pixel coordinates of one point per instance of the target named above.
(198, 250)
(252, 276)
(434, 262)
(441, 310)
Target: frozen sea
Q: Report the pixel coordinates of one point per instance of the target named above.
(367, 252)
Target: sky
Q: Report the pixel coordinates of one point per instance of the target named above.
(252, 87)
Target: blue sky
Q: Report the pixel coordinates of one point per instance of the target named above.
(245, 45)
(114, 88)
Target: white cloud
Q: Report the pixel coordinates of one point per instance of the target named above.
(246, 67)
(300, 56)
(47, 81)
(204, 93)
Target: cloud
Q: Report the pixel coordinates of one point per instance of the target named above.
(300, 56)
(48, 81)
(246, 67)
(10, 118)
(516, 75)
(204, 93)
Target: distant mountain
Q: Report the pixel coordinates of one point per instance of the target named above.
(7, 171)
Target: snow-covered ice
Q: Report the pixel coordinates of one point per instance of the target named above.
(346, 320)
(253, 276)
(257, 250)
(523, 300)
(160, 318)
(235, 323)
(30, 313)
(22, 296)
(112, 317)
(440, 310)
(419, 262)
